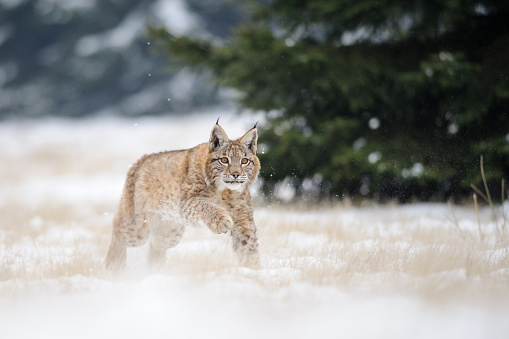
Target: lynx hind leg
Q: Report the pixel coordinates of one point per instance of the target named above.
(117, 255)
(126, 233)
(165, 233)
(245, 245)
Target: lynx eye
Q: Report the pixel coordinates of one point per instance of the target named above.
(224, 160)
(244, 161)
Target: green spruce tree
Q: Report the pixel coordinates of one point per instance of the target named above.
(388, 99)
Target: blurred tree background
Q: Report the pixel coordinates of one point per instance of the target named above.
(384, 99)
(379, 99)
(75, 58)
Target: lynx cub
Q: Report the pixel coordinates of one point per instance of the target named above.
(205, 185)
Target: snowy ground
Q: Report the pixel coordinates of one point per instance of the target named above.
(416, 271)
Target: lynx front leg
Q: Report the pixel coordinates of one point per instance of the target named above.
(245, 244)
(202, 212)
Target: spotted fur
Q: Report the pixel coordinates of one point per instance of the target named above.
(206, 185)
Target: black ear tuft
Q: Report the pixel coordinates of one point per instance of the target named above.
(217, 122)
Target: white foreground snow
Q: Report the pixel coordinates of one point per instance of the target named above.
(235, 307)
(378, 272)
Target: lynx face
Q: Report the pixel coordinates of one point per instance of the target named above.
(232, 163)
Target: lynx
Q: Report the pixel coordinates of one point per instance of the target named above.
(206, 185)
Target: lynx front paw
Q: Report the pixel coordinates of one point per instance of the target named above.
(224, 225)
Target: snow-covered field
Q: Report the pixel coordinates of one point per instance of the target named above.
(415, 271)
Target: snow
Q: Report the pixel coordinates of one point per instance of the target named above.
(161, 306)
(339, 271)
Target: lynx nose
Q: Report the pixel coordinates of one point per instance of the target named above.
(236, 175)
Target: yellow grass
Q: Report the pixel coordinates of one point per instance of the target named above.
(371, 254)
(357, 250)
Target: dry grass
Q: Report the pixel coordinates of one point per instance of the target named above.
(356, 250)
(401, 250)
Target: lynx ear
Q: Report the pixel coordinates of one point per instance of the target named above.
(250, 139)
(218, 138)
